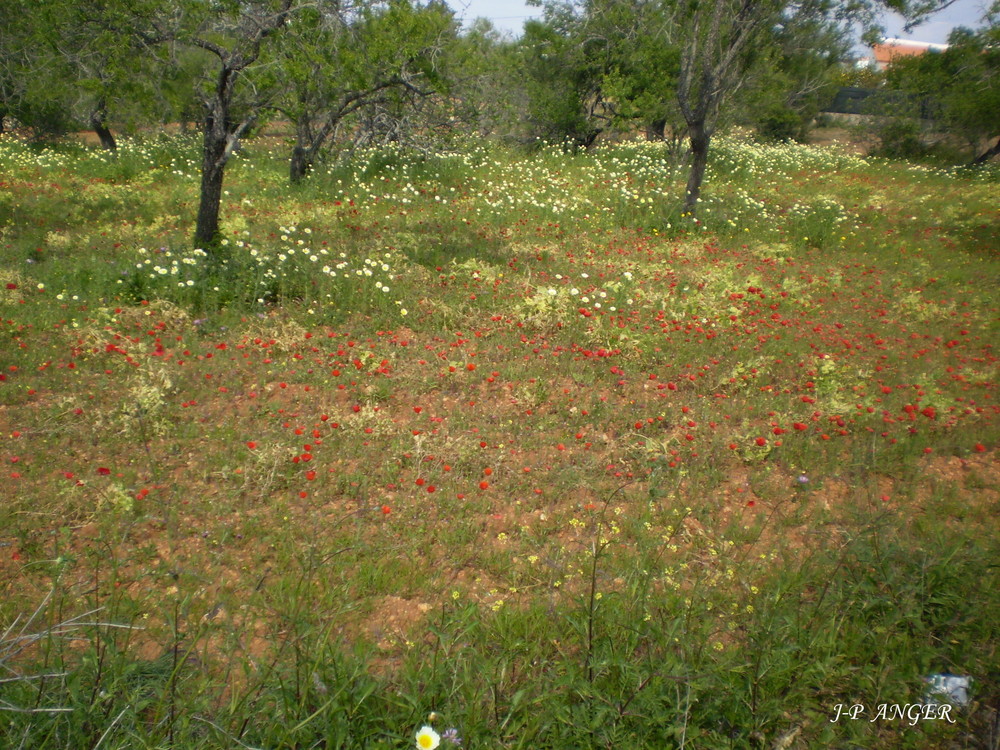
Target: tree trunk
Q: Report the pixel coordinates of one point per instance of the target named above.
(988, 154)
(308, 143)
(301, 163)
(587, 139)
(221, 138)
(98, 121)
(221, 134)
(699, 138)
(656, 130)
(206, 233)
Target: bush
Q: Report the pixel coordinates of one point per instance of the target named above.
(901, 139)
(780, 124)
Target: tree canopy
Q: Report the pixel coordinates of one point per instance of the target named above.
(958, 87)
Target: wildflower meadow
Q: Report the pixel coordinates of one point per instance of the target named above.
(497, 449)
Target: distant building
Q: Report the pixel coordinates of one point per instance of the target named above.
(891, 49)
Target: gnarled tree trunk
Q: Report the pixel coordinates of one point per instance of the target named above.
(712, 68)
(300, 164)
(213, 164)
(99, 123)
(656, 130)
(221, 138)
(699, 138)
(309, 143)
(221, 132)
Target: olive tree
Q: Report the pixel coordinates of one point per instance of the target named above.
(336, 60)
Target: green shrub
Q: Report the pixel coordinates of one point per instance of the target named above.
(780, 124)
(901, 139)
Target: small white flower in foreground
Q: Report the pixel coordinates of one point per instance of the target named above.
(428, 739)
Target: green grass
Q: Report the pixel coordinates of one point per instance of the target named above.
(498, 443)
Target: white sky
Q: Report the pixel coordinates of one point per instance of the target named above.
(510, 15)
(506, 15)
(963, 13)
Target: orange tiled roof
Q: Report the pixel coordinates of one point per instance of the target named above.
(889, 49)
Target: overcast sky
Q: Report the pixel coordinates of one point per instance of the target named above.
(509, 15)
(966, 13)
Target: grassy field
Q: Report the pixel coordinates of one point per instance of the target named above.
(499, 444)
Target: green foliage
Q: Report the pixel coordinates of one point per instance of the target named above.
(76, 64)
(958, 88)
(596, 68)
(785, 89)
(487, 84)
(901, 139)
(780, 124)
(562, 85)
(335, 63)
(865, 77)
(34, 80)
